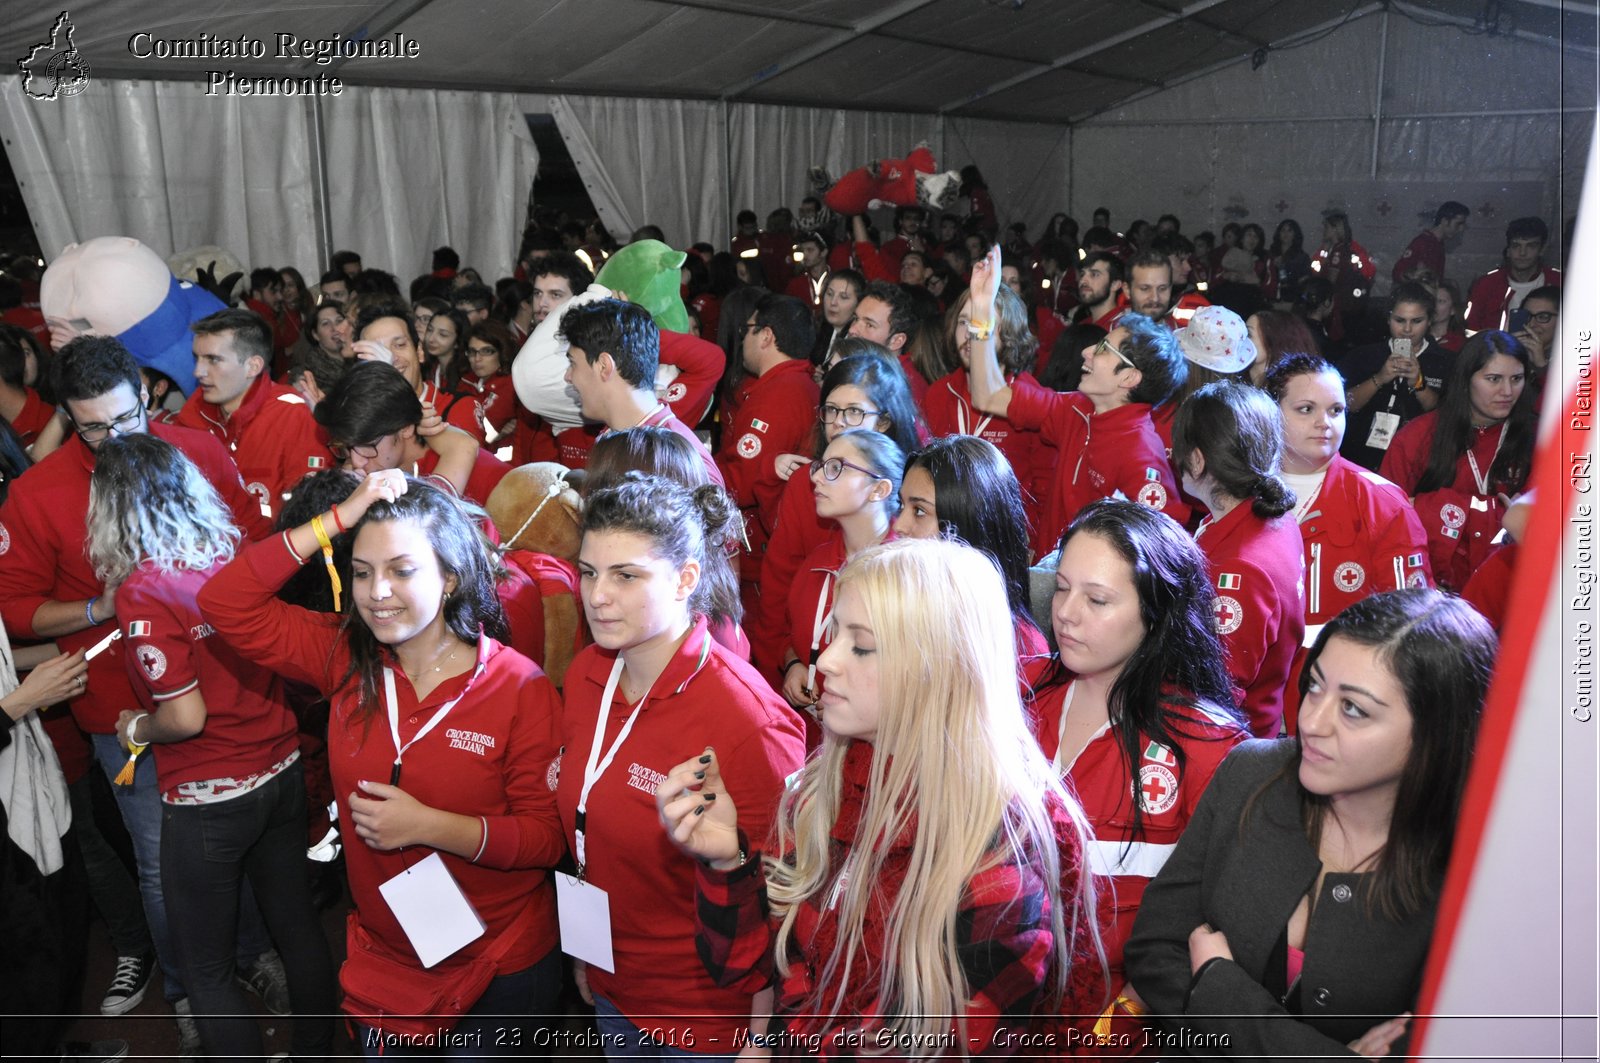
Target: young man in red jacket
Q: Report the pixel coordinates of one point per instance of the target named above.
(1500, 291)
(1107, 442)
(266, 426)
(49, 590)
(776, 417)
(1425, 254)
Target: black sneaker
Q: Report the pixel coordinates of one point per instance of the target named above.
(94, 1051)
(128, 984)
(268, 980)
(189, 1044)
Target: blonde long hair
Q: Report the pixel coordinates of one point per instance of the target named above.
(149, 502)
(953, 763)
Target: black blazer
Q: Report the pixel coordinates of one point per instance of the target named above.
(1246, 879)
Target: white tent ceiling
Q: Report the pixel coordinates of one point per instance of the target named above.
(1050, 61)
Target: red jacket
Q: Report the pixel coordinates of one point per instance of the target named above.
(1101, 454)
(43, 555)
(1260, 610)
(1426, 251)
(662, 417)
(1489, 589)
(1361, 537)
(488, 759)
(775, 417)
(914, 380)
(705, 697)
(797, 532)
(1002, 940)
(1489, 301)
(949, 410)
(1461, 520)
(1169, 793)
(272, 436)
(700, 364)
(171, 652)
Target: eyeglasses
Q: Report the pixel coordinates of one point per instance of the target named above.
(94, 433)
(1105, 345)
(483, 352)
(1543, 317)
(341, 452)
(748, 325)
(832, 468)
(849, 416)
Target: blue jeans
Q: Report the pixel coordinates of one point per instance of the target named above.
(502, 1024)
(617, 1028)
(140, 805)
(208, 852)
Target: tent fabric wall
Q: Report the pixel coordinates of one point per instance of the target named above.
(1298, 138)
(408, 170)
(159, 161)
(411, 169)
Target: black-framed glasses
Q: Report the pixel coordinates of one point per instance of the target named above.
(832, 468)
(482, 352)
(94, 433)
(1543, 317)
(748, 325)
(341, 452)
(1105, 345)
(849, 416)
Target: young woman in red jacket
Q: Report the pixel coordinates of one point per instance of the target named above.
(856, 483)
(439, 741)
(1137, 706)
(1464, 461)
(1228, 440)
(961, 487)
(1360, 534)
(925, 891)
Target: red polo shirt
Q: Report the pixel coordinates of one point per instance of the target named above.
(272, 437)
(706, 696)
(1101, 454)
(487, 759)
(172, 651)
(43, 555)
(32, 418)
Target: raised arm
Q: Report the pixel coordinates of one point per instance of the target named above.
(990, 393)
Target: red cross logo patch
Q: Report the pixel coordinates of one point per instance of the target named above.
(5, 539)
(1158, 789)
(1452, 515)
(1349, 577)
(1228, 614)
(1153, 495)
(749, 445)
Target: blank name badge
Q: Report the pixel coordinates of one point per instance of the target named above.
(585, 913)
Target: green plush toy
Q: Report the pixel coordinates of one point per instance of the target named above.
(648, 272)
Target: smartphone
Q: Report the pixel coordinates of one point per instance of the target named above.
(1400, 346)
(1518, 321)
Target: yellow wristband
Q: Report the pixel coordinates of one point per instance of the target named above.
(327, 559)
(980, 330)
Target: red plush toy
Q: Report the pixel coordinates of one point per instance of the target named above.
(894, 182)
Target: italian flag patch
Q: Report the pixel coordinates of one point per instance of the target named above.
(1151, 474)
(313, 462)
(1413, 560)
(138, 628)
(1228, 581)
(1160, 754)
(758, 424)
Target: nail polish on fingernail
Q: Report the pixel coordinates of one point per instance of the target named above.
(709, 797)
(699, 809)
(699, 775)
(706, 759)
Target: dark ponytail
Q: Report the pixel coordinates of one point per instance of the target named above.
(1239, 431)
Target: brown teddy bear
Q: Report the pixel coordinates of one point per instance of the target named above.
(536, 510)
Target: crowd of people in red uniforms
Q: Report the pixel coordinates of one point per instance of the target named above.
(1090, 412)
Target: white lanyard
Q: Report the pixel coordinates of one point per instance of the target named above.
(1480, 478)
(818, 626)
(392, 705)
(1061, 728)
(963, 408)
(1303, 510)
(597, 766)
